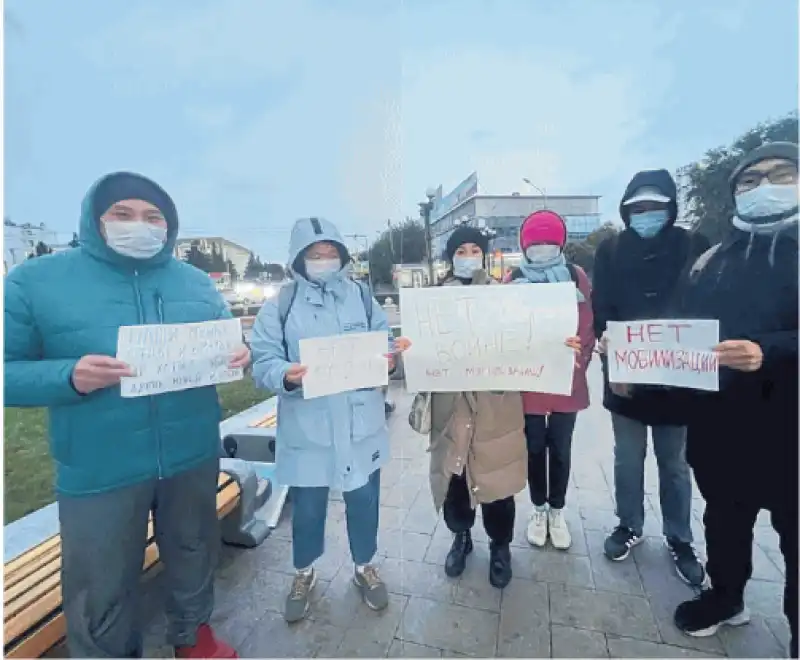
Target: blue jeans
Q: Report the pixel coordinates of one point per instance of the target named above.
(674, 479)
(310, 509)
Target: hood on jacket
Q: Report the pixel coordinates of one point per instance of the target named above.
(114, 188)
(661, 180)
(308, 231)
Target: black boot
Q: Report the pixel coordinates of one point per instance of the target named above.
(456, 560)
(499, 565)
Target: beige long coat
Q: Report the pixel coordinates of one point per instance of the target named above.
(482, 433)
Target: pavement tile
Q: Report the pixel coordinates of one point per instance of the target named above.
(620, 577)
(755, 640)
(451, 627)
(371, 634)
(602, 611)
(556, 567)
(272, 637)
(403, 544)
(620, 647)
(524, 621)
(413, 578)
(401, 649)
(576, 643)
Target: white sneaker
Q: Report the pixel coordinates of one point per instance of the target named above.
(537, 528)
(559, 532)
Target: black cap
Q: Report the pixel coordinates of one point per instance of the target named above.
(466, 234)
(784, 150)
(127, 185)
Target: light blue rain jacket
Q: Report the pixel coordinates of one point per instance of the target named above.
(337, 440)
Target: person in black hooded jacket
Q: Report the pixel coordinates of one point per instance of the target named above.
(635, 276)
(743, 440)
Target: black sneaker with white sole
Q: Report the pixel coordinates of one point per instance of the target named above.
(703, 616)
(618, 545)
(687, 565)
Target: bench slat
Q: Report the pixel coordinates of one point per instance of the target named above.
(15, 565)
(41, 618)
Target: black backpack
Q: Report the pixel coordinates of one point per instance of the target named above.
(287, 294)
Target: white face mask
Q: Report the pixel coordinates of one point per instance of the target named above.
(542, 254)
(136, 239)
(321, 270)
(465, 267)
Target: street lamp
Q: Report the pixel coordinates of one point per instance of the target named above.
(425, 209)
(537, 188)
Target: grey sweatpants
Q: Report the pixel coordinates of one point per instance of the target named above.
(103, 540)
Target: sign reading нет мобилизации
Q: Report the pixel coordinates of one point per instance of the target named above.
(170, 358)
(677, 353)
(490, 338)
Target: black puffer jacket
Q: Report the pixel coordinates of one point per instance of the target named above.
(635, 279)
(750, 426)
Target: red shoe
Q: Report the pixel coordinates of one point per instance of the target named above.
(206, 646)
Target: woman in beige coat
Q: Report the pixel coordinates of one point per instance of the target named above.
(477, 443)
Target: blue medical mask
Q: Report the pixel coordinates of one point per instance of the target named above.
(321, 270)
(465, 267)
(135, 239)
(766, 200)
(648, 223)
(543, 255)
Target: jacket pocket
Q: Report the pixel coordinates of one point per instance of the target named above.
(304, 424)
(367, 414)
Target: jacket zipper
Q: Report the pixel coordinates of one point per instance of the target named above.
(151, 401)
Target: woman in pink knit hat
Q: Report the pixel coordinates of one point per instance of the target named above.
(550, 419)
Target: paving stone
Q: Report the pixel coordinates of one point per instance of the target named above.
(556, 567)
(413, 578)
(619, 647)
(403, 544)
(576, 643)
(452, 627)
(594, 499)
(371, 634)
(620, 577)
(765, 598)
(601, 611)
(272, 637)
(401, 649)
(524, 621)
(780, 628)
(421, 517)
(472, 589)
(755, 640)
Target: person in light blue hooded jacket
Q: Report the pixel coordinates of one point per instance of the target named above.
(335, 442)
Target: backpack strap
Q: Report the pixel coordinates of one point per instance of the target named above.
(286, 295)
(366, 298)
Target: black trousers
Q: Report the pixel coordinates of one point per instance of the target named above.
(729, 520)
(549, 446)
(459, 516)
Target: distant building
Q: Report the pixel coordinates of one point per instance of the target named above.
(20, 240)
(503, 214)
(237, 254)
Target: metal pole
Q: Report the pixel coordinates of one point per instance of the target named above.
(537, 188)
(426, 209)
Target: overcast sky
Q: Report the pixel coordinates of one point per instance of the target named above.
(252, 113)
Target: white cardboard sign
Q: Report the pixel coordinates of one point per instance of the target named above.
(169, 358)
(666, 352)
(490, 338)
(343, 363)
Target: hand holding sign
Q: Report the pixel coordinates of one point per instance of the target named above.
(740, 354)
(294, 374)
(241, 358)
(96, 372)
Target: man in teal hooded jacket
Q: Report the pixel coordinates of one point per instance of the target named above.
(118, 460)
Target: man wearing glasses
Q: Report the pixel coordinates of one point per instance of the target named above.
(743, 440)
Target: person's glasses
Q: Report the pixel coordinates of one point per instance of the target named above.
(779, 175)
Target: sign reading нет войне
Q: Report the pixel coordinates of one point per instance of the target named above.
(676, 353)
(181, 356)
(490, 338)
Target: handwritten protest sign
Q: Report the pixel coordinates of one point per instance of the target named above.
(342, 363)
(169, 358)
(671, 352)
(483, 338)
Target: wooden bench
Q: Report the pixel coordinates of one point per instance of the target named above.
(32, 617)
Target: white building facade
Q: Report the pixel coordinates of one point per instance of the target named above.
(237, 254)
(20, 240)
(503, 214)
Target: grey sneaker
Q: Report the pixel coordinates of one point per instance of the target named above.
(372, 588)
(297, 602)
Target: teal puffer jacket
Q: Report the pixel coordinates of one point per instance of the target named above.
(61, 307)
